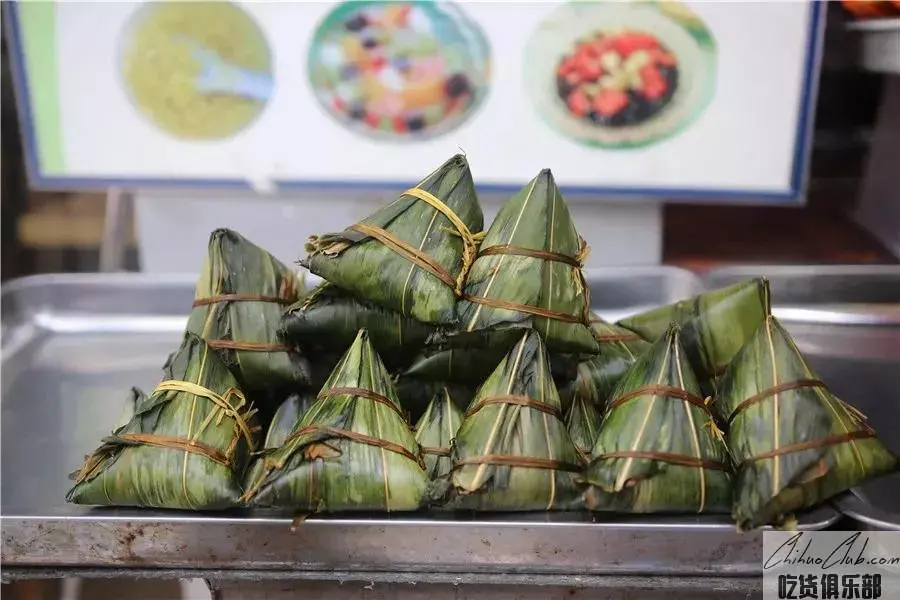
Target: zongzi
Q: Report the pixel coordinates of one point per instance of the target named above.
(714, 325)
(793, 442)
(279, 429)
(512, 451)
(528, 272)
(237, 307)
(352, 450)
(411, 256)
(186, 446)
(583, 423)
(469, 358)
(659, 449)
(435, 430)
(598, 375)
(329, 319)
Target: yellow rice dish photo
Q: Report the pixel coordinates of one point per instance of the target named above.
(196, 70)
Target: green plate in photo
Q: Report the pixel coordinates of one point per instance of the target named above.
(620, 75)
(160, 67)
(399, 71)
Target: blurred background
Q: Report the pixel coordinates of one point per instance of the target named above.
(61, 232)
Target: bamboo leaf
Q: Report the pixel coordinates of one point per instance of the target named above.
(583, 424)
(597, 376)
(528, 272)
(714, 325)
(238, 303)
(436, 430)
(658, 449)
(512, 452)
(794, 443)
(180, 449)
(351, 451)
(369, 268)
(328, 319)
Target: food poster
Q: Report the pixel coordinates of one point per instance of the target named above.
(634, 99)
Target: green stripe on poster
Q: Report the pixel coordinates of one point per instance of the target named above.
(37, 24)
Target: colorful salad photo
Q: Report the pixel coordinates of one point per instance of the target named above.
(399, 70)
(196, 70)
(621, 75)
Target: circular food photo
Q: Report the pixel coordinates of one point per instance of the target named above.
(620, 75)
(196, 70)
(399, 70)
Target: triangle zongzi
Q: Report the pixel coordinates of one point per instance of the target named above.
(528, 272)
(351, 451)
(794, 443)
(329, 318)
(412, 255)
(512, 451)
(436, 430)
(237, 308)
(583, 424)
(714, 325)
(597, 376)
(658, 449)
(186, 445)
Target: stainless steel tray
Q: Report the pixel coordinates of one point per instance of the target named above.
(73, 345)
(846, 319)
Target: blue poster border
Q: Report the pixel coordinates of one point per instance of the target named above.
(795, 194)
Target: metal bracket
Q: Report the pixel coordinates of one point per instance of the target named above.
(117, 225)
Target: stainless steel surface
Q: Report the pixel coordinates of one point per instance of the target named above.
(846, 320)
(73, 345)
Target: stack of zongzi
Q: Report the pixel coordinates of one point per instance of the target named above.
(512, 451)
(186, 445)
(328, 319)
(411, 256)
(436, 430)
(793, 442)
(352, 450)
(237, 308)
(714, 325)
(659, 449)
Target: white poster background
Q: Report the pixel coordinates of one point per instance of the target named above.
(743, 141)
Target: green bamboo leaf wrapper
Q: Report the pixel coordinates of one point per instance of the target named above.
(237, 268)
(714, 325)
(515, 457)
(147, 462)
(349, 451)
(469, 358)
(283, 422)
(415, 395)
(583, 424)
(329, 319)
(535, 220)
(657, 452)
(794, 443)
(436, 430)
(597, 376)
(368, 268)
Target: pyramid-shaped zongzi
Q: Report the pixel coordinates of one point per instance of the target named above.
(512, 451)
(237, 307)
(793, 442)
(435, 430)
(714, 325)
(583, 423)
(412, 255)
(186, 446)
(658, 449)
(351, 451)
(528, 272)
(597, 376)
(329, 318)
